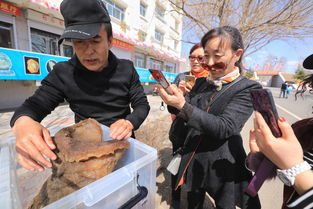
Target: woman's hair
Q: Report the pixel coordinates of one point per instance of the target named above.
(226, 33)
(308, 81)
(194, 47)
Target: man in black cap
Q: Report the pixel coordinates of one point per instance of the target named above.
(94, 82)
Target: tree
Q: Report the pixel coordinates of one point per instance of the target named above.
(299, 74)
(260, 21)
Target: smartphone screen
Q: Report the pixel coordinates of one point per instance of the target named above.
(263, 102)
(190, 79)
(160, 78)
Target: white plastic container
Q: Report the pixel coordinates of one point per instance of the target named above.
(136, 167)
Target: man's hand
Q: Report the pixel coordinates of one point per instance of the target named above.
(32, 141)
(121, 129)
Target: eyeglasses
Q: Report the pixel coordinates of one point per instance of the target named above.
(199, 58)
(219, 65)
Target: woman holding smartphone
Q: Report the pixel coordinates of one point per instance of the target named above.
(295, 168)
(214, 111)
(185, 82)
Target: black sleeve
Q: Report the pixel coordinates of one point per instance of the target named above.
(222, 126)
(299, 202)
(139, 102)
(46, 98)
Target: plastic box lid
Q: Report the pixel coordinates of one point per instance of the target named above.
(136, 167)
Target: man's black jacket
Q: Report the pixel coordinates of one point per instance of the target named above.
(105, 96)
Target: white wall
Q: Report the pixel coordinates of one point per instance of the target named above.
(14, 92)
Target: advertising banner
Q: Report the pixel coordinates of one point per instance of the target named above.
(23, 65)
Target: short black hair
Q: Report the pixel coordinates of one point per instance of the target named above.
(108, 28)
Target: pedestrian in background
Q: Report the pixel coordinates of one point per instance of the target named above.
(176, 134)
(283, 90)
(214, 111)
(94, 82)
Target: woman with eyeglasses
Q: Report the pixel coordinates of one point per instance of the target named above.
(214, 112)
(197, 70)
(196, 58)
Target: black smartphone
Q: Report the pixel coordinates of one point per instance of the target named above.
(160, 78)
(263, 102)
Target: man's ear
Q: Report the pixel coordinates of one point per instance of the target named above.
(110, 42)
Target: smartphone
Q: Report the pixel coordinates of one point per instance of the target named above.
(263, 102)
(190, 79)
(160, 78)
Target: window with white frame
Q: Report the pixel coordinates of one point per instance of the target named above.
(44, 42)
(158, 35)
(142, 36)
(175, 44)
(170, 67)
(114, 9)
(160, 11)
(67, 49)
(176, 25)
(6, 38)
(140, 60)
(155, 64)
(143, 9)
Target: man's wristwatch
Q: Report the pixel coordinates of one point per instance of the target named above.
(288, 176)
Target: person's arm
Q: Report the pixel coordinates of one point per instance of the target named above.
(285, 152)
(122, 129)
(228, 123)
(32, 139)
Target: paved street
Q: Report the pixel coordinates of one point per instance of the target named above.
(270, 193)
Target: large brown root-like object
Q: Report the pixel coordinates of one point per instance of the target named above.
(82, 157)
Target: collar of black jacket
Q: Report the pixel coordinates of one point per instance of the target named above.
(105, 71)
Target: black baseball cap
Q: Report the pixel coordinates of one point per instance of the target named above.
(308, 62)
(83, 18)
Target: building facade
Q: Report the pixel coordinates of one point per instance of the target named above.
(148, 32)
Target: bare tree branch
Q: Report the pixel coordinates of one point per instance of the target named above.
(260, 21)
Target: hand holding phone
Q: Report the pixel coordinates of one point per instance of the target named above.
(263, 102)
(190, 79)
(160, 78)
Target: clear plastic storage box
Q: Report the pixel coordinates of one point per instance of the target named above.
(136, 167)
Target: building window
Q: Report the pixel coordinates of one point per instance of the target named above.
(140, 60)
(155, 64)
(158, 35)
(170, 67)
(176, 25)
(6, 38)
(175, 44)
(142, 36)
(114, 10)
(67, 50)
(160, 11)
(44, 42)
(143, 9)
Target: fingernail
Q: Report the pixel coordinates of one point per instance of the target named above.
(40, 169)
(282, 119)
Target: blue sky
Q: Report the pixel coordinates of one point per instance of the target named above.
(294, 50)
